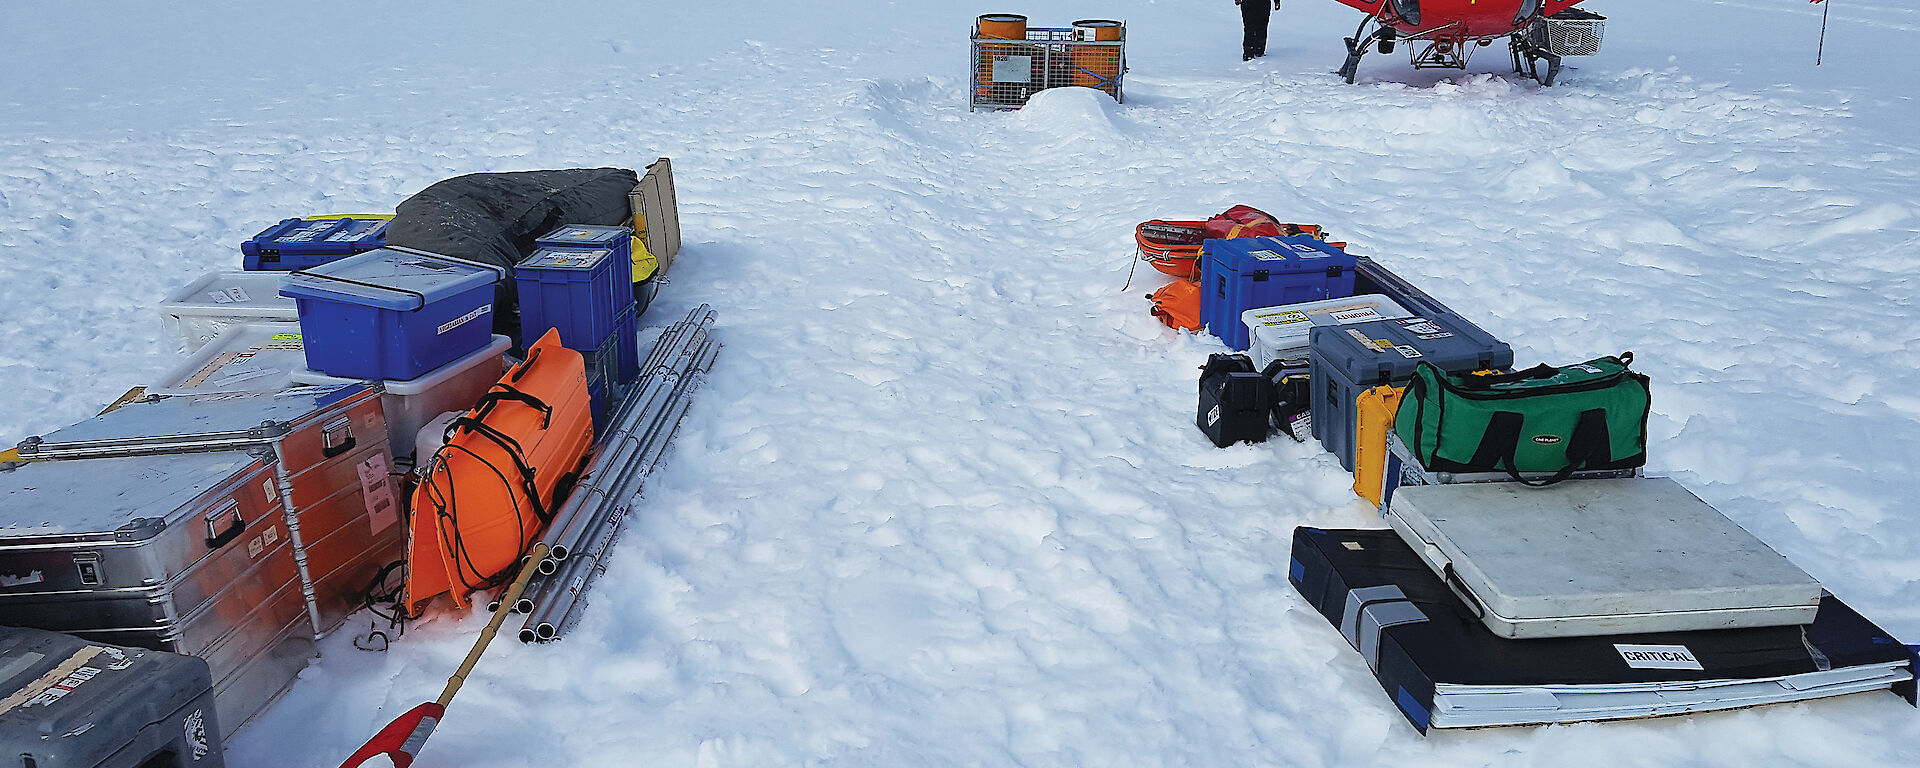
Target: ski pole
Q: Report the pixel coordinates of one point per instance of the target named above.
(401, 740)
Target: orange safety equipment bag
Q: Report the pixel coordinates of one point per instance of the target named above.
(1178, 305)
(506, 464)
(1242, 221)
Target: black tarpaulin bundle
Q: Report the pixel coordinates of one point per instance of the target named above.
(493, 218)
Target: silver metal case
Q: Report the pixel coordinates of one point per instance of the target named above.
(236, 528)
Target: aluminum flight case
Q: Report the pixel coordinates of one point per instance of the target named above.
(69, 703)
(236, 528)
(1599, 557)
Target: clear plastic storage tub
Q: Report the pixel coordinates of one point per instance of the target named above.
(243, 357)
(411, 403)
(200, 309)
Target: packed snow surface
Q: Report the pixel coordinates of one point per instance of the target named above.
(941, 501)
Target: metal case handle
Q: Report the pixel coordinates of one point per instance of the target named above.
(230, 514)
(337, 437)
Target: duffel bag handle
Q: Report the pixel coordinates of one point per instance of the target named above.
(1589, 442)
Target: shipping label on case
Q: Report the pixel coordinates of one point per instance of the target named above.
(1267, 256)
(464, 319)
(1012, 69)
(1288, 317)
(1423, 328)
(377, 491)
(1355, 315)
(1657, 656)
(1306, 251)
(1366, 342)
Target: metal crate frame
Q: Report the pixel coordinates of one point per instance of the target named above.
(1051, 53)
(1575, 37)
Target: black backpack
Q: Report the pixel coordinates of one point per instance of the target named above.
(1236, 401)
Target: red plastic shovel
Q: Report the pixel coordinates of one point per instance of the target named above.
(401, 740)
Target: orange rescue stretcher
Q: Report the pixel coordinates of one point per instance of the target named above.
(506, 464)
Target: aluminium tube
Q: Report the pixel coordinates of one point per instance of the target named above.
(668, 352)
(613, 479)
(673, 337)
(663, 343)
(579, 570)
(635, 434)
(613, 460)
(562, 535)
(565, 588)
(613, 489)
(701, 315)
(551, 612)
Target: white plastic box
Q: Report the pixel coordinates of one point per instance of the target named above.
(200, 309)
(1282, 331)
(1598, 557)
(241, 357)
(411, 403)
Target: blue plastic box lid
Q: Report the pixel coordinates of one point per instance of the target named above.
(579, 235)
(318, 236)
(1385, 351)
(401, 279)
(1297, 253)
(583, 259)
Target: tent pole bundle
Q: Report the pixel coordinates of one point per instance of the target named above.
(584, 527)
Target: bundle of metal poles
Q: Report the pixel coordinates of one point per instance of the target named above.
(584, 527)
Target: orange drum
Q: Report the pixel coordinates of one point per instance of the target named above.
(1098, 66)
(1013, 82)
(1002, 26)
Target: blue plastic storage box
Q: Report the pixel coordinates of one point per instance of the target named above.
(613, 238)
(572, 289)
(392, 313)
(1253, 272)
(597, 406)
(302, 243)
(627, 331)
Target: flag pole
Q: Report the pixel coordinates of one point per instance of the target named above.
(1821, 53)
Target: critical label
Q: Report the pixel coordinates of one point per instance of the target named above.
(1658, 656)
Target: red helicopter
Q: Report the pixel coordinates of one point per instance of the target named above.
(1445, 33)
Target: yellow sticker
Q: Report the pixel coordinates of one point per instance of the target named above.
(286, 337)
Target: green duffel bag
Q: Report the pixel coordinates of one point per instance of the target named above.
(1590, 416)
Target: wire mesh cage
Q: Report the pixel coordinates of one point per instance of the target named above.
(1008, 70)
(1575, 32)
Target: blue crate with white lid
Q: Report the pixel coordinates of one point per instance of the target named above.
(618, 239)
(1253, 272)
(302, 243)
(576, 290)
(393, 313)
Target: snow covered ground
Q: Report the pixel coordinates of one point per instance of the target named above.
(941, 501)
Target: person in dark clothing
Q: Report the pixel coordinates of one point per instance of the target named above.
(1253, 16)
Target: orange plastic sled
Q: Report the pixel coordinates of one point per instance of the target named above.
(490, 490)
